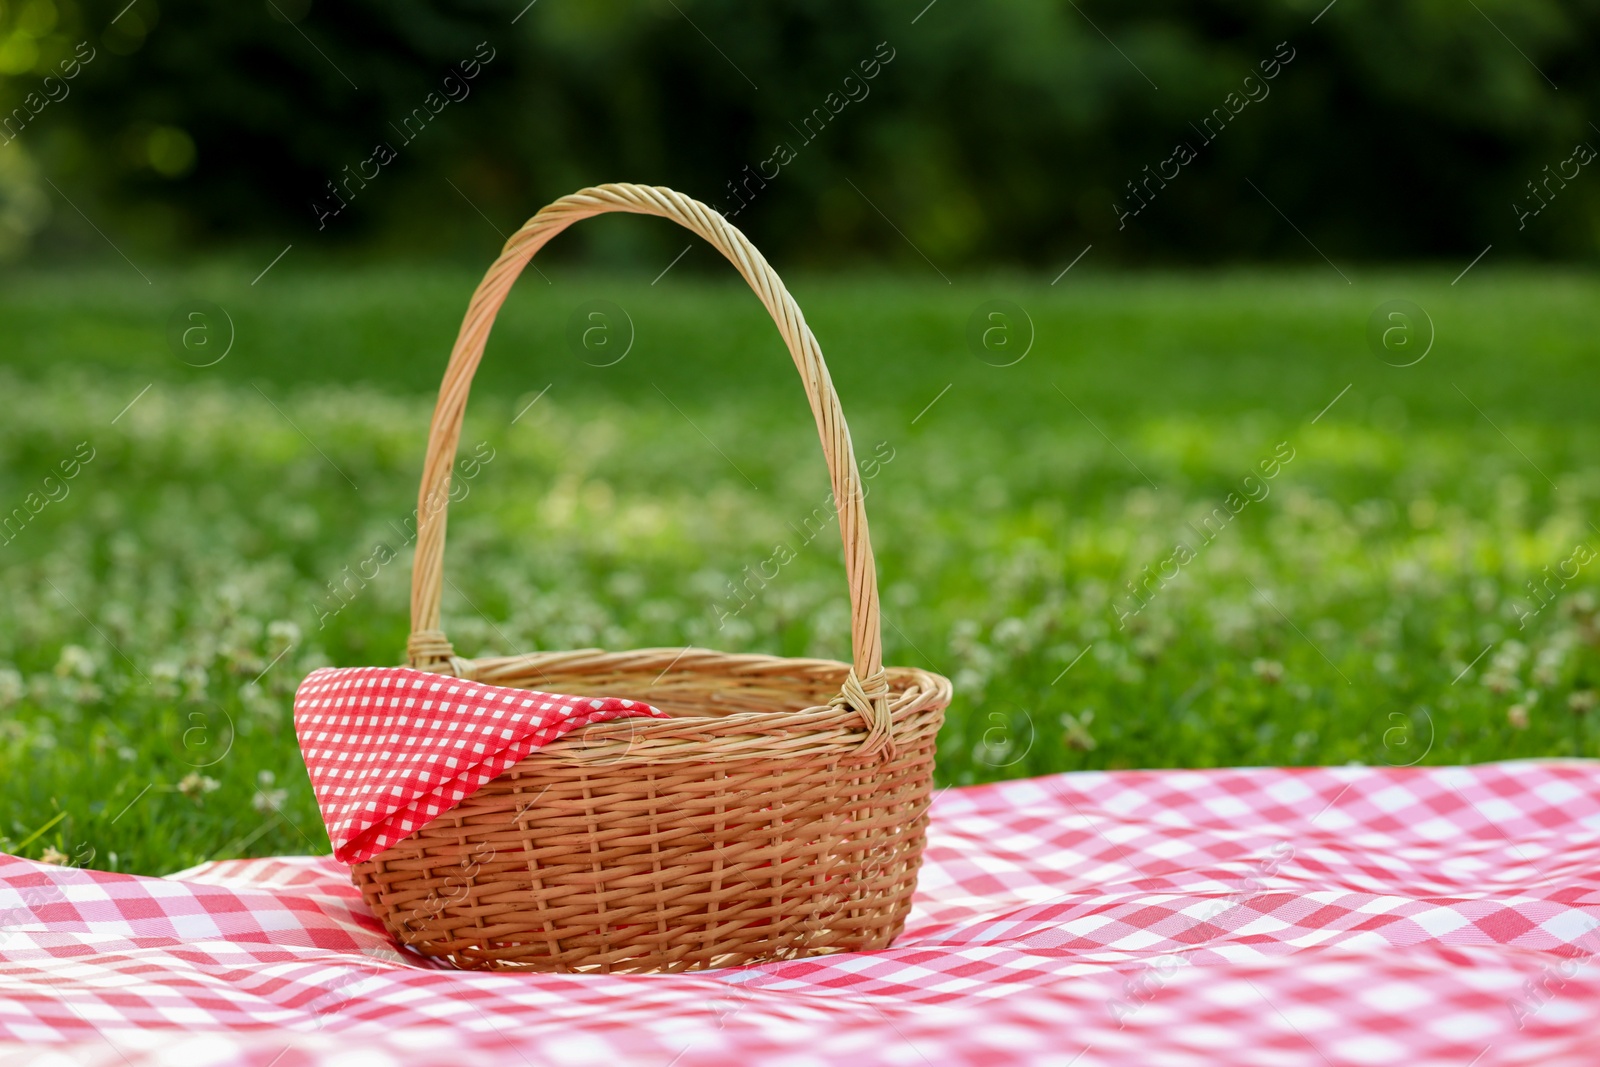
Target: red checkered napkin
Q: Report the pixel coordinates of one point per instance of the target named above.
(391, 749)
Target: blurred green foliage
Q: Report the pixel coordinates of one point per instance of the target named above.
(1002, 131)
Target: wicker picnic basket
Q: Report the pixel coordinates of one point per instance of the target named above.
(780, 812)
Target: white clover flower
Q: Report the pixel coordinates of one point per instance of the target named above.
(970, 683)
(257, 702)
(269, 800)
(1011, 633)
(12, 688)
(194, 785)
(963, 631)
(281, 634)
(1498, 682)
(75, 661)
(1148, 646)
(1268, 670)
(1510, 656)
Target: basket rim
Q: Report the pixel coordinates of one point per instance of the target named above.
(807, 731)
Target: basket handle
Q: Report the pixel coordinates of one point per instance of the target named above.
(866, 687)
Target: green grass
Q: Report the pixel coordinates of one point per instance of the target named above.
(155, 621)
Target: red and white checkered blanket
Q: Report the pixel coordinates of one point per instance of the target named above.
(1277, 917)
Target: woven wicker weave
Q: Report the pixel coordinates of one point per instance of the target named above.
(779, 813)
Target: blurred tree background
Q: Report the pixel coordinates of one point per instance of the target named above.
(1000, 132)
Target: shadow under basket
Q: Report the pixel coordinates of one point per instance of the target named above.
(779, 812)
(747, 827)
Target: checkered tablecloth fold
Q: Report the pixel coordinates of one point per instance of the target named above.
(391, 749)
